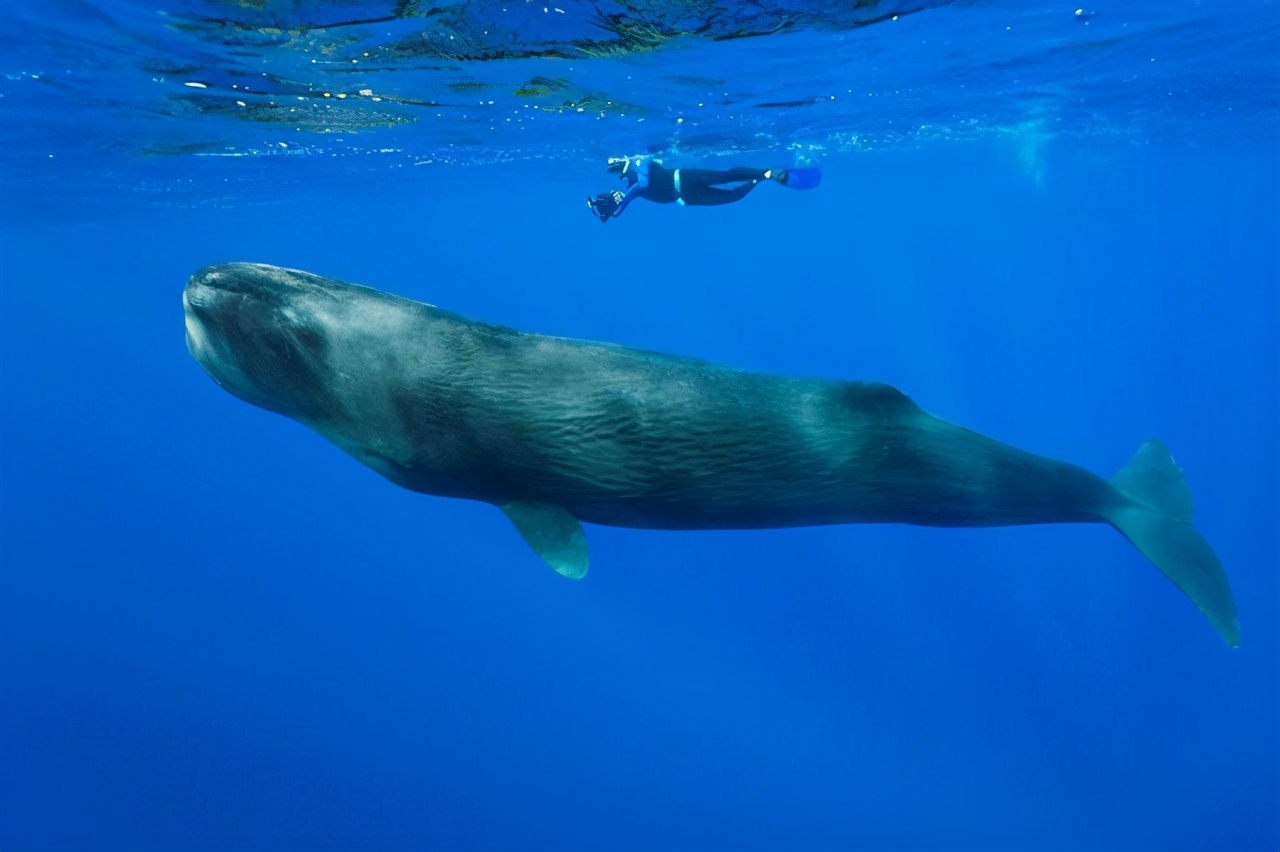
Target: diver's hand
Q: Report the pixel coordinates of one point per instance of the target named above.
(617, 203)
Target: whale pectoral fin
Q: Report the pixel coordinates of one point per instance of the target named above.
(553, 533)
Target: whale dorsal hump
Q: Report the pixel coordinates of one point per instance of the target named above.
(553, 533)
(876, 397)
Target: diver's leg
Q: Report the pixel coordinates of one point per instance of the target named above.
(701, 195)
(698, 186)
(714, 177)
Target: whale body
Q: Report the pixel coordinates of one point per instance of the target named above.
(557, 431)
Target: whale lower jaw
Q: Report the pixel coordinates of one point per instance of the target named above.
(197, 339)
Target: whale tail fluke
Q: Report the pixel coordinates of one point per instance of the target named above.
(1157, 519)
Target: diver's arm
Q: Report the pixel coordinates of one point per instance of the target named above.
(639, 183)
(624, 199)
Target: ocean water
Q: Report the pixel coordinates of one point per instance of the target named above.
(1057, 228)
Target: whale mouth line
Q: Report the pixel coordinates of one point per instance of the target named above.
(197, 338)
(197, 294)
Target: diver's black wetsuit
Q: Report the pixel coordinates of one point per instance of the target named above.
(701, 186)
(647, 178)
(653, 181)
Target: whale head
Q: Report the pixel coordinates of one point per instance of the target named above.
(263, 334)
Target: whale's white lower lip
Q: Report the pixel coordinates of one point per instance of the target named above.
(196, 340)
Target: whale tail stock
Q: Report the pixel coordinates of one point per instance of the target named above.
(1152, 509)
(1157, 520)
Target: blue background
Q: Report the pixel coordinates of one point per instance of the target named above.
(219, 632)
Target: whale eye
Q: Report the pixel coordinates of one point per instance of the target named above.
(280, 347)
(311, 342)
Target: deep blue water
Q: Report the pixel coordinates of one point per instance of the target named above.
(219, 632)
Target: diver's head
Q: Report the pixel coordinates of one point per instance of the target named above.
(619, 165)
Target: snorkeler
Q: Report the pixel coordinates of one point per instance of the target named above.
(647, 178)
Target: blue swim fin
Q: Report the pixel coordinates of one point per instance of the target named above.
(804, 178)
